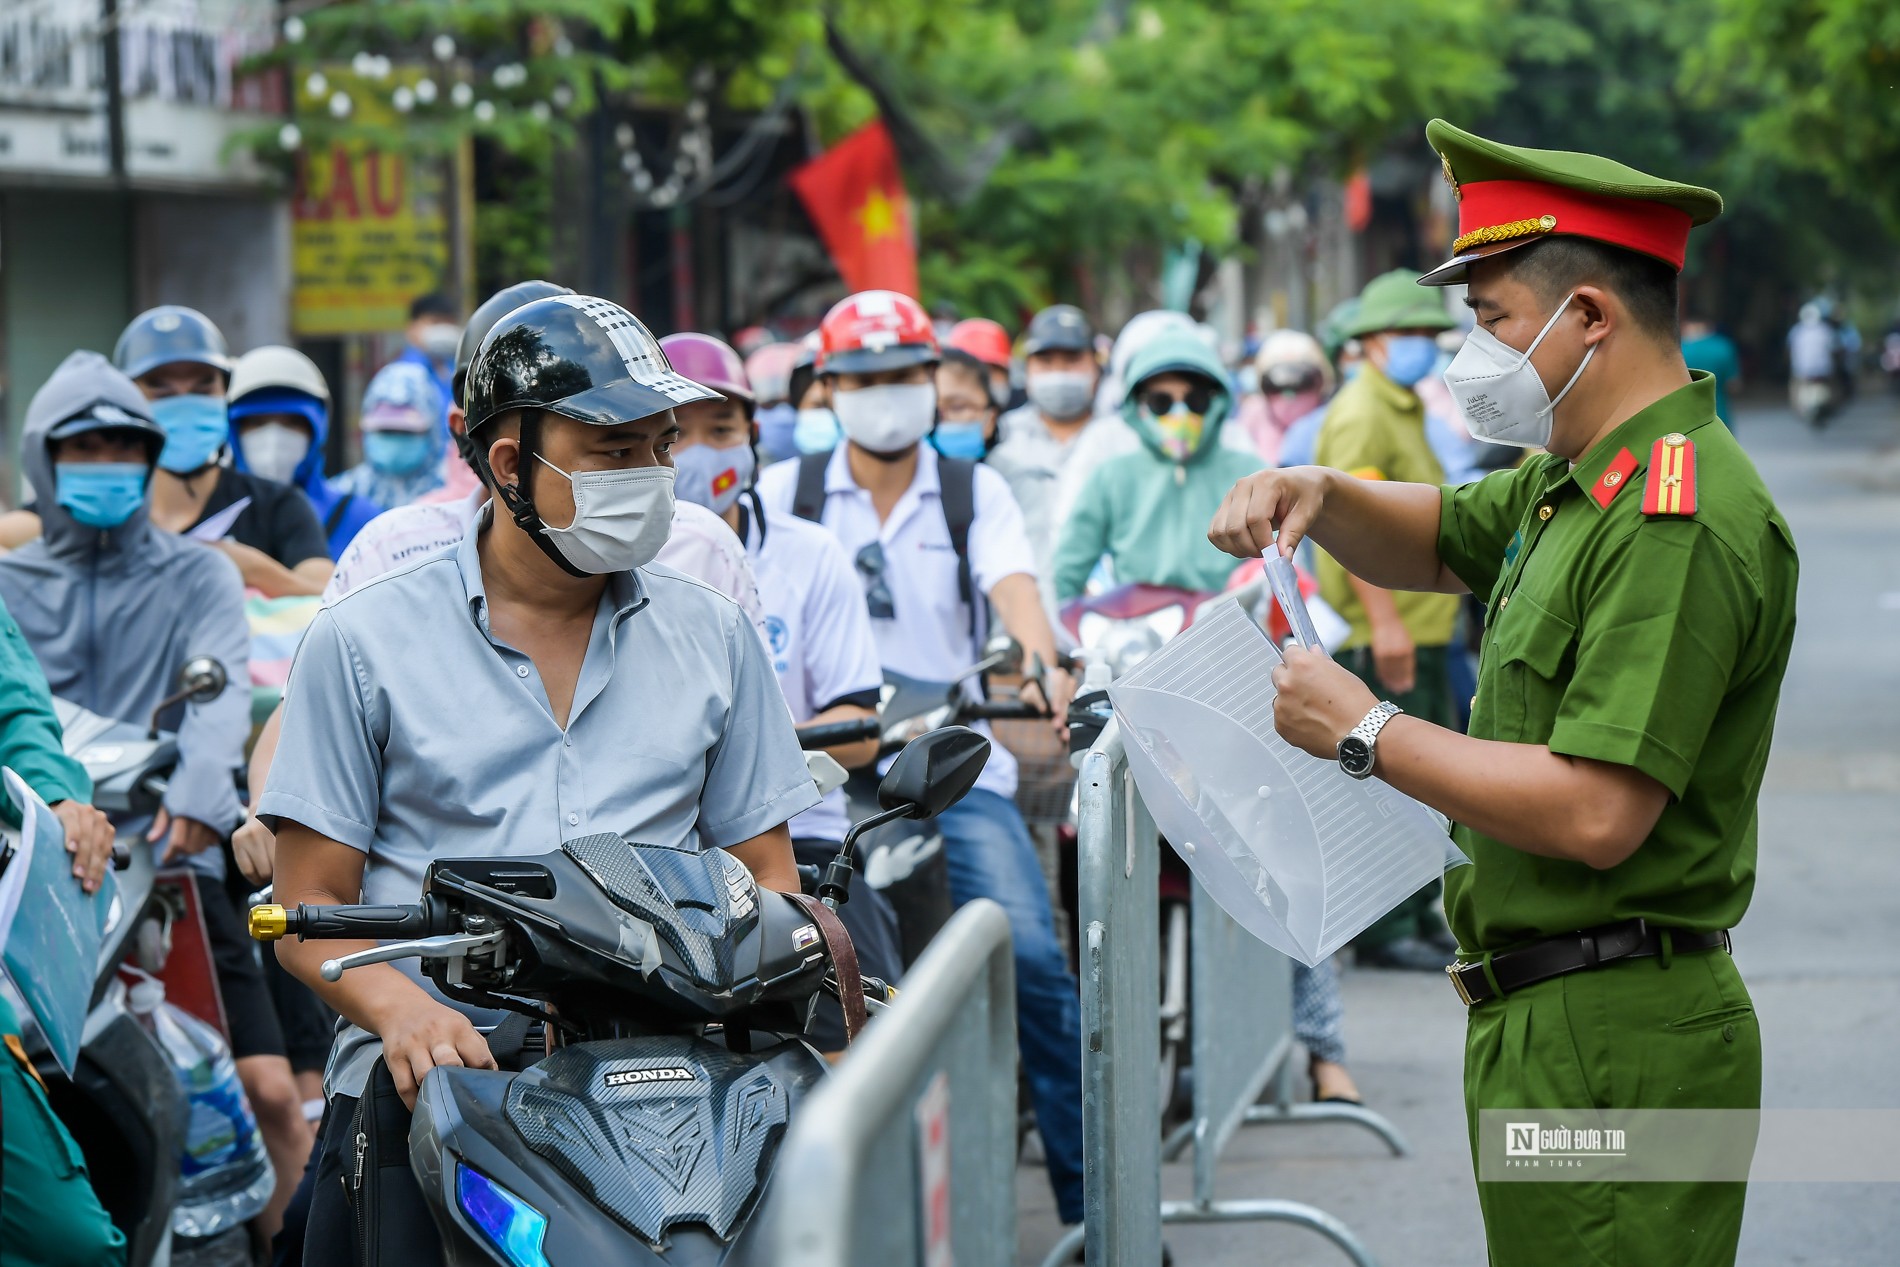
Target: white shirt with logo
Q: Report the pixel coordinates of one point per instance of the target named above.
(929, 636)
(817, 634)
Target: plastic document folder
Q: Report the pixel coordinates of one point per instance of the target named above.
(51, 930)
(1302, 855)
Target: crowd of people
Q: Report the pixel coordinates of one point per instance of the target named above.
(877, 498)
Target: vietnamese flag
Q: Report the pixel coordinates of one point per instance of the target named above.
(854, 192)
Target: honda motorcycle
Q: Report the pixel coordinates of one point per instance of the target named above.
(672, 993)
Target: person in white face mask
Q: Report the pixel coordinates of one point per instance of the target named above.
(1041, 438)
(542, 681)
(1640, 609)
(280, 417)
(938, 545)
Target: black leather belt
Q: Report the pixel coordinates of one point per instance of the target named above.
(1573, 952)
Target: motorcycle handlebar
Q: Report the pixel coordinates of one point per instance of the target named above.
(1006, 710)
(376, 923)
(836, 733)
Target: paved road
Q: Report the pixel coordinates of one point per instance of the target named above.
(1817, 946)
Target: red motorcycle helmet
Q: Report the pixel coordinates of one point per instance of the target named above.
(711, 363)
(983, 339)
(876, 330)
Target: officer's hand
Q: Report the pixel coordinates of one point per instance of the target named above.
(255, 849)
(183, 837)
(1394, 657)
(88, 840)
(1319, 702)
(1286, 501)
(430, 1035)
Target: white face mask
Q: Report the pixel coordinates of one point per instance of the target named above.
(621, 518)
(274, 450)
(1064, 395)
(1499, 392)
(887, 419)
(441, 340)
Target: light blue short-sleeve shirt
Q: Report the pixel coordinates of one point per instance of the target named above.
(412, 733)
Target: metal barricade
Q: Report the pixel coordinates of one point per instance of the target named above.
(907, 1153)
(1241, 1016)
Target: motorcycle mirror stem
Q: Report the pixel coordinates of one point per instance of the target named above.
(834, 890)
(201, 680)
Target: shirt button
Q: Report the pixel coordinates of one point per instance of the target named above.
(521, 670)
(573, 820)
(1545, 512)
(1504, 602)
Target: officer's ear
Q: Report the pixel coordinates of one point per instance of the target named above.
(1602, 313)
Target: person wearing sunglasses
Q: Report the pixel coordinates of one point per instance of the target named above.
(1138, 512)
(1375, 429)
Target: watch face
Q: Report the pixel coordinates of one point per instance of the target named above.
(1355, 755)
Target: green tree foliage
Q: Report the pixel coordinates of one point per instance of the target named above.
(1662, 87)
(1823, 80)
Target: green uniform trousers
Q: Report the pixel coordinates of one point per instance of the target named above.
(49, 1216)
(1430, 699)
(1633, 1035)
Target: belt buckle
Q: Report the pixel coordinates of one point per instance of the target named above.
(1452, 970)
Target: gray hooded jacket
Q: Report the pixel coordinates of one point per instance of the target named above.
(112, 614)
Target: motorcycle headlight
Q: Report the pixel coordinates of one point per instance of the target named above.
(1129, 645)
(511, 1225)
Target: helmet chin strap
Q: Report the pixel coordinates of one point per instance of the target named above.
(515, 496)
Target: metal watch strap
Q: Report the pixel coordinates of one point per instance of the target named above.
(1373, 722)
(1370, 725)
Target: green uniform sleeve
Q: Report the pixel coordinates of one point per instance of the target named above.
(1084, 538)
(1664, 623)
(1476, 522)
(30, 738)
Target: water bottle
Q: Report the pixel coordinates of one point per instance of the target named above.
(225, 1175)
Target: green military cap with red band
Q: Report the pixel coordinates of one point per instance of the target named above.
(1509, 197)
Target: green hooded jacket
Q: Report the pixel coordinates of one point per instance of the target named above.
(1145, 511)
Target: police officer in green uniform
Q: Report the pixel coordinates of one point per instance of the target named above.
(1640, 590)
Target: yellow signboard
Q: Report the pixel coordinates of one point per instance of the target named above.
(371, 230)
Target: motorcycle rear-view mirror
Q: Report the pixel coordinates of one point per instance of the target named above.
(201, 680)
(934, 772)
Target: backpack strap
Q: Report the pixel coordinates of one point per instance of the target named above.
(957, 480)
(808, 501)
(335, 516)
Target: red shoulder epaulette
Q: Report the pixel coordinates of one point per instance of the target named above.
(1614, 477)
(1670, 487)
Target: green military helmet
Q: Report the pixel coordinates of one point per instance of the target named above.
(1393, 301)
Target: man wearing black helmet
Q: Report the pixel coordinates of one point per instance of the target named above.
(593, 691)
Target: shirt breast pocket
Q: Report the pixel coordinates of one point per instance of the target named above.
(1532, 656)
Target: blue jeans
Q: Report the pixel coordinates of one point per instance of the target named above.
(989, 854)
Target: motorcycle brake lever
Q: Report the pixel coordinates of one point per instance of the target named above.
(447, 946)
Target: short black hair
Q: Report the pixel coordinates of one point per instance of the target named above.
(1556, 266)
(433, 304)
(964, 363)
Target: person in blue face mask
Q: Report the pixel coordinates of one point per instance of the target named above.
(1375, 428)
(966, 409)
(179, 361)
(403, 449)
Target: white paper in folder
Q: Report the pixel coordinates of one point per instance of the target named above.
(1300, 854)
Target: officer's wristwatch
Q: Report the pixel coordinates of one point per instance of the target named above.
(1356, 750)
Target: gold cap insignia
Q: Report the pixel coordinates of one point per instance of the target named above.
(1457, 195)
